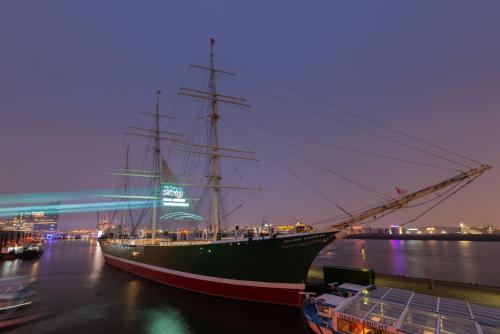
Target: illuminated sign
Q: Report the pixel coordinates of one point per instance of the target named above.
(367, 323)
(173, 191)
(173, 195)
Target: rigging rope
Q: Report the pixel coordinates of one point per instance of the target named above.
(314, 189)
(336, 248)
(427, 210)
(314, 141)
(313, 162)
(340, 217)
(357, 127)
(355, 115)
(289, 215)
(441, 201)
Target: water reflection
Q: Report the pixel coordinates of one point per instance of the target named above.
(462, 261)
(10, 268)
(130, 295)
(35, 267)
(165, 320)
(96, 259)
(82, 295)
(397, 258)
(363, 253)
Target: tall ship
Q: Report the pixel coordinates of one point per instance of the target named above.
(267, 265)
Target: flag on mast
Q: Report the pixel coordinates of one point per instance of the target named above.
(401, 191)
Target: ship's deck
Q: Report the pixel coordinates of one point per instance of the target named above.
(169, 242)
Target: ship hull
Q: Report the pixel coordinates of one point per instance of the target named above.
(271, 270)
(276, 293)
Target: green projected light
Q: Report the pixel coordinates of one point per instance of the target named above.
(181, 216)
(173, 195)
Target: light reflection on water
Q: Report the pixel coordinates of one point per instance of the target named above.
(86, 296)
(96, 259)
(9, 268)
(462, 261)
(130, 296)
(397, 257)
(166, 320)
(83, 295)
(35, 267)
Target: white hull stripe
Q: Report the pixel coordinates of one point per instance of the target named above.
(295, 286)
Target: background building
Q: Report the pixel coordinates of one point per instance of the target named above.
(44, 219)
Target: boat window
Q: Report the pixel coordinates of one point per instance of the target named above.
(359, 307)
(452, 325)
(421, 322)
(323, 309)
(386, 313)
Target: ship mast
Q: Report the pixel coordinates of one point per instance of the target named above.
(215, 175)
(125, 192)
(156, 168)
(155, 173)
(213, 150)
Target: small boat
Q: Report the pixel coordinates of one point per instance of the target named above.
(32, 251)
(355, 309)
(18, 302)
(11, 252)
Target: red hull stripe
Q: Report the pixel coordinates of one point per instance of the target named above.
(267, 292)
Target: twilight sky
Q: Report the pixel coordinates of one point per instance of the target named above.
(74, 74)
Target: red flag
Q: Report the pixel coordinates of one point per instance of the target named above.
(401, 191)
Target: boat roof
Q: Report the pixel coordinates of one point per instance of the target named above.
(331, 300)
(413, 312)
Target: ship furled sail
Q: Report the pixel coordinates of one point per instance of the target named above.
(270, 267)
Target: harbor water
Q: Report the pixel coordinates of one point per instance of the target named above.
(458, 261)
(82, 295)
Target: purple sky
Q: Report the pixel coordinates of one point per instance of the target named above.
(74, 74)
